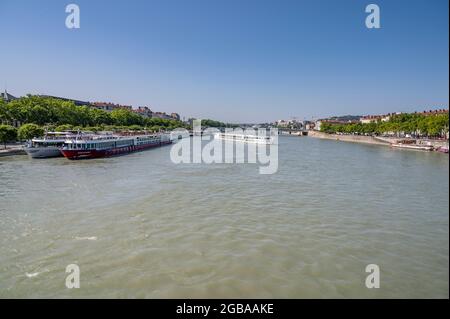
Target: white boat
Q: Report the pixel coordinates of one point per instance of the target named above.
(412, 145)
(443, 149)
(246, 138)
(47, 146)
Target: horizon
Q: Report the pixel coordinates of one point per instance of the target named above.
(229, 61)
(183, 118)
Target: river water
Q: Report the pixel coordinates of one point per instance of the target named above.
(139, 226)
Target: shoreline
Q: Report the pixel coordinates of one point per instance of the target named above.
(384, 141)
(348, 138)
(12, 150)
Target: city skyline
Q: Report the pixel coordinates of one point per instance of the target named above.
(231, 61)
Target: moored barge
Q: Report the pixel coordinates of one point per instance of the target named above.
(111, 145)
(412, 145)
(48, 146)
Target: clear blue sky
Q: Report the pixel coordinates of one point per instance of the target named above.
(231, 60)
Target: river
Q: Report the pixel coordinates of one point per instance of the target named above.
(140, 226)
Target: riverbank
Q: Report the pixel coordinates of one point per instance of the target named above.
(349, 138)
(10, 150)
(375, 140)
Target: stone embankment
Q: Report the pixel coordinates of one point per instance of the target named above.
(349, 138)
(14, 149)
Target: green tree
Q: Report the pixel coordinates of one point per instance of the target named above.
(4, 112)
(8, 133)
(99, 117)
(28, 131)
(135, 128)
(64, 127)
(126, 117)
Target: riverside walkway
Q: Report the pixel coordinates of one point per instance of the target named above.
(12, 149)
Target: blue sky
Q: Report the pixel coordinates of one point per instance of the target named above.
(231, 60)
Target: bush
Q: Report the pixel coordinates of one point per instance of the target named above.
(64, 127)
(28, 131)
(8, 133)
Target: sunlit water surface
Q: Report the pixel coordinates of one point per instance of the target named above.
(141, 226)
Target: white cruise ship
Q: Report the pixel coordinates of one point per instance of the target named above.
(246, 138)
(47, 146)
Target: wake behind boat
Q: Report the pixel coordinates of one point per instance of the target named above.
(97, 146)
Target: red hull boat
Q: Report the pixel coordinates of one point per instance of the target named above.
(97, 147)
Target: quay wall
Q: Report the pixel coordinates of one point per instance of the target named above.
(11, 150)
(348, 138)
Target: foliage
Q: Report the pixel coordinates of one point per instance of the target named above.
(65, 115)
(126, 117)
(414, 124)
(8, 133)
(63, 128)
(212, 123)
(28, 131)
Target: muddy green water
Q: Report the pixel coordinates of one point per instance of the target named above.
(140, 226)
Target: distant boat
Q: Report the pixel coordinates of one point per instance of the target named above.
(412, 145)
(246, 138)
(47, 146)
(442, 149)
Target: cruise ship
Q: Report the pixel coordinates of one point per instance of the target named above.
(97, 146)
(246, 138)
(47, 146)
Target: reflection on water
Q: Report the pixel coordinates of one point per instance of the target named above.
(140, 226)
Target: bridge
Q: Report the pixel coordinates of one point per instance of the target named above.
(295, 132)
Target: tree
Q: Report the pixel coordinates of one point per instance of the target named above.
(28, 131)
(99, 117)
(135, 128)
(8, 133)
(64, 127)
(39, 115)
(126, 117)
(4, 114)
(415, 124)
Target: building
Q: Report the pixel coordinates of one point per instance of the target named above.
(375, 118)
(161, 115)
(386, 117)
(109, 107)
(7, 97)
(291, 124)
(144, 111)
(76, 102)
(282, 123)
(175, 116)
(309, 125)
(434, 112)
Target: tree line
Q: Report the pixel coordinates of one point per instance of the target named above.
(36, 112)
(52, 111)
(213, 123)
(415, 124)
